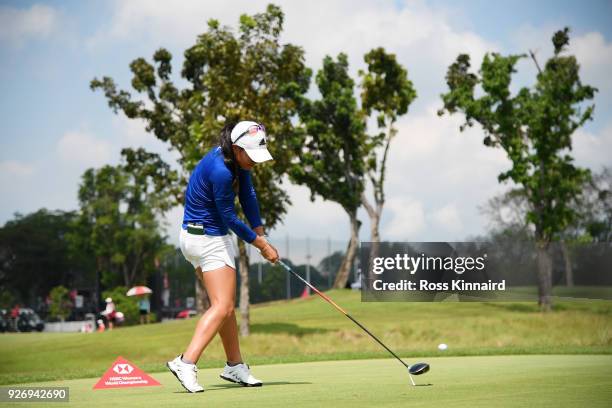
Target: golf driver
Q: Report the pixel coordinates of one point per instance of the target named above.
(414, 369)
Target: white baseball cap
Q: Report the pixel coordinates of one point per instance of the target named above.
(251, 136)
(108, 300)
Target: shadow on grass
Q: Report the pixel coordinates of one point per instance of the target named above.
(288, 328)
(219, 387)
(598, 307)
(515, 307)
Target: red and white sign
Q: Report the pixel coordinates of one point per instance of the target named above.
(124, 374)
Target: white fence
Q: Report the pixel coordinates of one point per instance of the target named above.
(67, 327)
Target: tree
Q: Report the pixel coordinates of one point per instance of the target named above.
(507, 213)
(35, 255)
(60, 302)
(230, 77)
(272, 286)
(330, 160)
(7, 299)
(387, 92)
(534, 127)
(120, 206)
(597, 206)
(330, 265)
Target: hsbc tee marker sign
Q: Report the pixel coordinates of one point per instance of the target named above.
(124, 374)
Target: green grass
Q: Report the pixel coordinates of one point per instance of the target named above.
(311, 330)
(453, 382)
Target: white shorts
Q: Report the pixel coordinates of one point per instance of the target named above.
(208, 251)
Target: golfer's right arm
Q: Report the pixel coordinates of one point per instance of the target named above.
(224, 201)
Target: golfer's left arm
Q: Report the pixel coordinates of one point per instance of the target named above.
(248, 201)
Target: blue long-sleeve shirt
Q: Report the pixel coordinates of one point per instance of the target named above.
(209, 198)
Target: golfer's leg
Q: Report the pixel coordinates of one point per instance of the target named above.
(229, 337)
(221, 288)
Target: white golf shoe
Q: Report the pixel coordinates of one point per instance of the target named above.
(186, 374)
(240, 374)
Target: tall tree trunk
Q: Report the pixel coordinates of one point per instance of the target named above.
(201, 296)
(135, 269)
(569, 272)
(98, 297)
(243, 266)
(345, 267)
(544, 276)
(126, 276)
(374, 215)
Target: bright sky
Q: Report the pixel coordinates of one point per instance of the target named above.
(53, 127)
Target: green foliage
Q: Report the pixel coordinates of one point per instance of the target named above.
(330, 161)
(60, 302)
(119, 223)
(149, 177)
(272, 287)
(331, 263)
(386, 92)
(274, 281)
(596, 207)
(230, 77)
(594, 212)
(330, 158)
(534, 127)
(7, 299)
(124, 304)
(385, 86)
(336, 153)
(36, 255)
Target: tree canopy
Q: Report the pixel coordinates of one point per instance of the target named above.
(534, 127)
(119, 217)
(229, 77)
(36, 255)
(387, 93)
(331, 158)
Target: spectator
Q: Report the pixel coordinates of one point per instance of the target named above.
(110, 313)
(145, 309)
(15, 315)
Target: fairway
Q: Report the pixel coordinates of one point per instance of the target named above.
(484, 381)
(304, 330)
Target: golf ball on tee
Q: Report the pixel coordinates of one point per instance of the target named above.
(442, 346)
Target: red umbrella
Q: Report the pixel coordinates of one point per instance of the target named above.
(139, 290)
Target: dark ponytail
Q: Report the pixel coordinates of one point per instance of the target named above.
(225, 141)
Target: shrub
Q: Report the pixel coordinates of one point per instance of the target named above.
(125, 304)
(60, 302)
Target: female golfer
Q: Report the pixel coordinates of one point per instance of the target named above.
(204, 240)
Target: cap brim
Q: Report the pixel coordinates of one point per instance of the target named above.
(259, 155)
